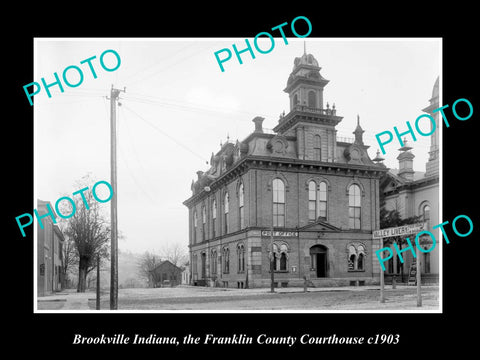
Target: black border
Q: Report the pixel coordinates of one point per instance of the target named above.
(53, 333)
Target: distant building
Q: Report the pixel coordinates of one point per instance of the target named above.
(166, 274)
(49, 253)
(318, 192)
(414, 193)
(186, 275)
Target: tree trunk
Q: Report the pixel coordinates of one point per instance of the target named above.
(82, 274)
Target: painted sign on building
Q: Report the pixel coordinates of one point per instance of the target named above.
(280, 233)
(398, 231)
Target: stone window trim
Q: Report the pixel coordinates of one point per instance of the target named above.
(241, 251)
(358, 183)
(278, 176)
(317, 180)
(357, 249)
(279, 248)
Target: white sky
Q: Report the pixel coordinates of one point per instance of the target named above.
(179, 106)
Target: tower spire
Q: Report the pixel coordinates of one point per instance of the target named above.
(304, 47)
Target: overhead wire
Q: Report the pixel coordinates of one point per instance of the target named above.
(124, 158)
(166, 134)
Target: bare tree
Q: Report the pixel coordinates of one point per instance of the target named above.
(88, 229)
(175, 253)
(70, 257)
(147, 262)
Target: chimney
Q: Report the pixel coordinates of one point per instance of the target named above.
(199, 174)
(258, 120)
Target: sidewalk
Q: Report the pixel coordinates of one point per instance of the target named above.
(70, 298)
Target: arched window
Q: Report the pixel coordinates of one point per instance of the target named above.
(426, 215)
(213, 265)
(226, 260)
(356, 257)
(225, 208)
(317, 148)
(312, 201)
(361, 257)
(241, 257)
(354, 206)
(278, 203)
(280, 257)
(214, 218)
(295, 100)
(195, 223)
(240, 206)
(204, 222)
(317, 201)
(352, 257)
(312, 101)
(322, 201)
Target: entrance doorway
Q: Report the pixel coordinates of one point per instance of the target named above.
(319, 260)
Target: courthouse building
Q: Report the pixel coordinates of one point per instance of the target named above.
(416, 193)
(319, 193)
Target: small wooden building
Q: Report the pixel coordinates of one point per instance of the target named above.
(166, 274)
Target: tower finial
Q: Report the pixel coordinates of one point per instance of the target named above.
(358, 119)
(304, 47)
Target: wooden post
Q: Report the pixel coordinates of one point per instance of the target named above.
(272, 259)
(382, 282)
(97, 305)
(419, 279)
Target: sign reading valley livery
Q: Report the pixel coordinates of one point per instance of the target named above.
(398, 231)
(280, 233)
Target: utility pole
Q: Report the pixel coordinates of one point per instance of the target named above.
(113, 213)
(97, 302)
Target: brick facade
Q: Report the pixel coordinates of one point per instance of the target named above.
(323, 251)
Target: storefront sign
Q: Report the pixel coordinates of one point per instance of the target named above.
(398, 231)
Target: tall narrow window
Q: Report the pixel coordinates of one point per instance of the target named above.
(278, 203)
(225, 220)
(226, 260)
(426, 215)
(195, 223)
(361, 257)
(241, 257)
(240, 206)
(322, 201)
(317, 148)
(213, 264)
(312, 103)
(312, 201)
(352, 257)
(214, 218)
(283, 257)
(354, 206)
(204, 222)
